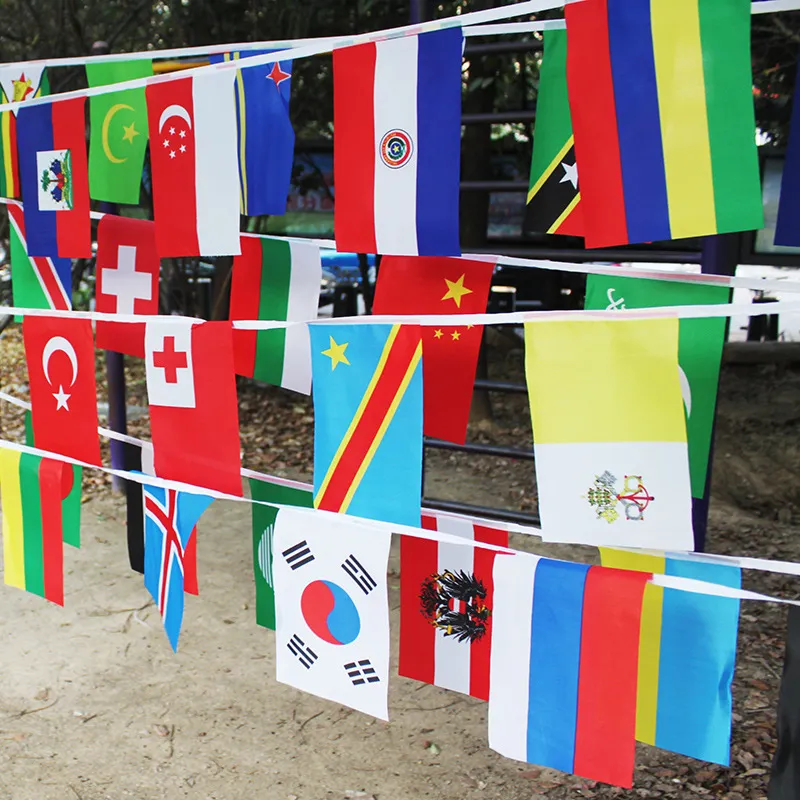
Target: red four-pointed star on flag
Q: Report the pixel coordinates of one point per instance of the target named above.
(277, 75)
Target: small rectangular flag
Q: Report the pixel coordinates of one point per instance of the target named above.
(37, 513)
(565, 654)
(55, 179)
(553, 198)
(609, 432)
(127, 272)
(368, 420)
(446, 605)
(194, 163)
(61, 373)
(194, 412)
(396, 159)
(18, 82)
(36, 281)
(275, 280)
(266, 136)
(170, 518)
(787, 229)
(700, 343)
(420, 285)
(119, 132)
(687, 656)
(661, 94)
(286, 494)
(332, 608)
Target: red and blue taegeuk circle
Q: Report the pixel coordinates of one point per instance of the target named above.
(330, 612)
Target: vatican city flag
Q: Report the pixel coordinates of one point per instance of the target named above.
(118, 132)
(612, 463)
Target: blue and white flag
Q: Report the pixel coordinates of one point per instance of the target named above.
(169, 519)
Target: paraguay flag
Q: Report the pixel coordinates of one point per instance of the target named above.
(266, 136)
(55, 180)
(564, 666)
(397, 122)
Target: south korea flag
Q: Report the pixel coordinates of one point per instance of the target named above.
(332, 609)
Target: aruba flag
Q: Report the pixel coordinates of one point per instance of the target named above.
(368, 420)
(397, 148)
(565, 653)
(266, 136)
(662, 111)
(687, 655)
(54, 175)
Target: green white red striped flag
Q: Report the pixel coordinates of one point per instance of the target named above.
(275, 280)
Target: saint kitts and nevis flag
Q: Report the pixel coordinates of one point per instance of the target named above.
(447, 603)
(285, 493)
(553, 204)
(564, 665)
(662, 110)
(17, 83)
(368, 420)
(687, 656)
(429, 285)
(119, 132)
(275, 280)
(41, 500)
(396, 160)
(266, 136)
(700, 343)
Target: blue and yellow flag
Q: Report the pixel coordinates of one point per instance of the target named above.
(368, 420)
(266, 136)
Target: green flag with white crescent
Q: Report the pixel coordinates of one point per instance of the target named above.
(700, 344)
(118, 132)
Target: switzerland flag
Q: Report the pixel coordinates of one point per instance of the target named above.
(194, 414)
(429, 285)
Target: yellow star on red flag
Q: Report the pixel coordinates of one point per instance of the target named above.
(456, 290)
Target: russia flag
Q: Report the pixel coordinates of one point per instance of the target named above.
(397, 146)
(51, 140)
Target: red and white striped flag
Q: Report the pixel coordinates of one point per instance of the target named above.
(446, 601)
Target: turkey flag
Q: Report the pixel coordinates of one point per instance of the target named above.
(194, 413)
(127, 280)
(428, 285)
(60, 356)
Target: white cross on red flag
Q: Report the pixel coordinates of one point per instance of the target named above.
(127, 280)
(194, 414)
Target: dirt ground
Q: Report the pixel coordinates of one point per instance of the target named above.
(94, 704)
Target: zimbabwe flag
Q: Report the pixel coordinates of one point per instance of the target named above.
(553, 197)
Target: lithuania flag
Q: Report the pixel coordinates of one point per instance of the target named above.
(118, 132)
(699, 350)
(553, 197)
(41, 508)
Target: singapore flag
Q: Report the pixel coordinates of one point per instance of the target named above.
(193, 152)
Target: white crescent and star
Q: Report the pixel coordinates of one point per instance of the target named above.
(174, 111)
(55, 345)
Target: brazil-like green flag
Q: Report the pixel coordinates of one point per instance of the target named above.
(118, 132)
(263, 534)
(700, 344)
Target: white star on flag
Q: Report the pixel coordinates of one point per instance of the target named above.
(61, 398)
(570, 174)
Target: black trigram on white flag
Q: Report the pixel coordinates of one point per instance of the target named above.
(298, 555)
(362, 578)
(305, 655)
(361, 672)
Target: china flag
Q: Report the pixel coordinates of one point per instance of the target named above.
(429, 285)
(194, 413)
(60, 356)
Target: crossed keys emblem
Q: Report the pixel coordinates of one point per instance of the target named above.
(604, 497)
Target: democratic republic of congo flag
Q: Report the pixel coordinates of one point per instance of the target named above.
(662, 109)
(368, 420)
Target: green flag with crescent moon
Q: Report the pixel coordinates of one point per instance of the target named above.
(118, 132)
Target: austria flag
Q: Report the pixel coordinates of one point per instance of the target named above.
(397, 127)
(446, 602)
(55, 179)
(193, 153)
(194, 414)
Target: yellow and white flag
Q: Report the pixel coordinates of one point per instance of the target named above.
(609, 432)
